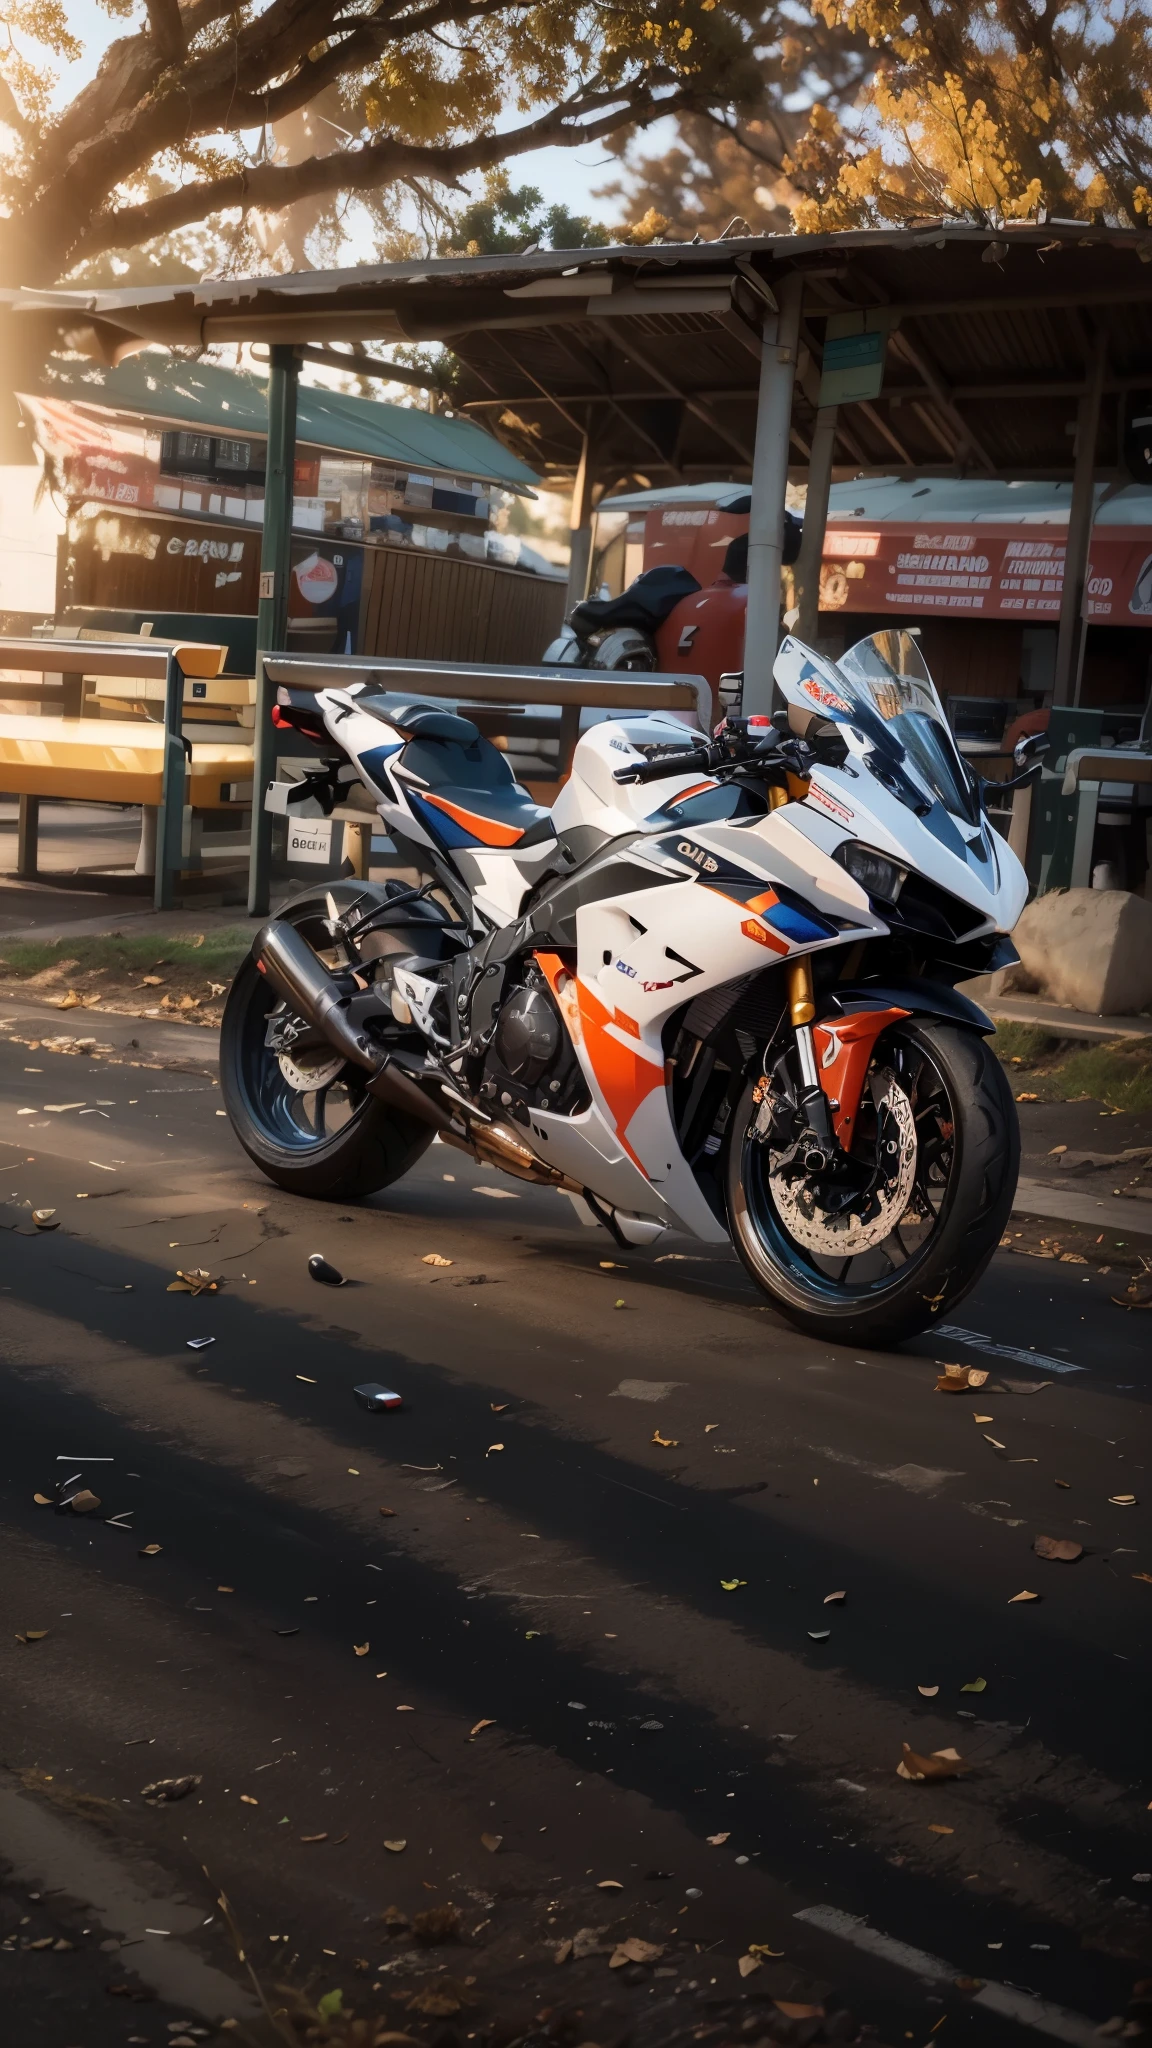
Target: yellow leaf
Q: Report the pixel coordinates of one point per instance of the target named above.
(479, 1726)
(666, 1443)
(730, 1585)
(361, 1649)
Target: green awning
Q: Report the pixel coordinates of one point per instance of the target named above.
(203, 395)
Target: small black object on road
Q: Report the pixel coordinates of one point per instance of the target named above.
(320, 1270)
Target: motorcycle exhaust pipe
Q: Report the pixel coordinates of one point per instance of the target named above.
(289, 964)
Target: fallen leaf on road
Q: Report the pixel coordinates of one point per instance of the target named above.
(761, 1948)
(636, 1951)
(315, 1838)
(936, 1827)
(1017, 1597)
(394, 1848)
(491, 1843)
(32, 1635)
(747, 1964)
(1122, 1500)
(42, 1500)
(479, 1726)
(246, 1799)
(169, 1789)
(388, 1513)
(717, 1839)
(225, 1589)
(835, 1599)
(405, 1710)
(1060, 1549)
(666, 1443)
(958, 1379)
(197, 1281)
(799, 2012)
(983, 1418)
(995, 1445)
(1065, 1484)
(975, 1685)
(618, 1304)
(819, 1635)
(609, 1884)
(1027, 1098)
(562, 1951)
(45, 1219)
(730, 1585)
(929, 1691)
(150, 1550)
(1146, 1576)
(434, 1259)
(83, 1502)
(498, 1407)
(441, 2000)
(612, 1266)
(491, 1448)
(436, 1924)
(943, 1763)
(361, 1649)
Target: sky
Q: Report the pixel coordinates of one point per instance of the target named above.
(566, 176)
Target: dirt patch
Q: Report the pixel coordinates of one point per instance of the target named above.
(1047, 1069)
(185, 978)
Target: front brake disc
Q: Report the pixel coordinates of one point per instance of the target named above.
(844, 1233)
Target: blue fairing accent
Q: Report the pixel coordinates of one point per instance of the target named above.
(802, 930)
(442, 827)
(373, 762)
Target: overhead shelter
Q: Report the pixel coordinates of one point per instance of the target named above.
(938, 349)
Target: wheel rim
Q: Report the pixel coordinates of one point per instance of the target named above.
(923, 1196)
(294, 1118)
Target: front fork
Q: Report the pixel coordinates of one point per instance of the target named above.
(814, 1102)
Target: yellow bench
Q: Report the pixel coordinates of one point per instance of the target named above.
(116, 761)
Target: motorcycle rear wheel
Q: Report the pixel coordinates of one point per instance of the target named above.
(335, 1142)
(967, 1160)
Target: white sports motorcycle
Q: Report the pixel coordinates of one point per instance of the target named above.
(711, 991)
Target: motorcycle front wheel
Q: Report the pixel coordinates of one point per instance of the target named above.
(309, 1124)
(937, 1101)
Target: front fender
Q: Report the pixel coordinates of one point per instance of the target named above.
(918, 998)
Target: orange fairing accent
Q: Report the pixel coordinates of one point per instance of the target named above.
(843, 1051)
(624, 1077)
(488, 831)
(763, 937)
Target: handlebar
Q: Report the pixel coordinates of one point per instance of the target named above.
(668, 764)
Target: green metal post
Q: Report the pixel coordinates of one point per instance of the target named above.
(170, 824)
(272, 614)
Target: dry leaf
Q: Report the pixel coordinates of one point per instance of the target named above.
(975, 1685)
(1027, 1098)
(45, 1219)
(1017, 1597)
(479, 1726)
(498, 1407)
(83, 1502)
(747, 1964)
(1064, 1484)
(562, 1951)
(959, 1379)
(636, 1951)
(1060, 1549)
(434, 1259)
(716, 1840)
(442, 1999)
(32, 1635)
(929, 1691)
(150, 1550)
(314, 1838)
(437, 1924)
(1122, 1500)
(170, 1789)
(491, 1843)
(405, 1710)
(388, 1513)
(799, 2012)
(42, 1500)
(835, 1599)
(151, 981)
(666, 1443)
(819, 1635)
(761, 1948)
(936, 1827)
(361, 1649)
(394, 1848)
(491, 1448)
(730, 1585)
(983, 1418)
(995, 1445)
(609, 1884)
(943, 1763)
(246, 1799)
(1146, 1576)
(198, 1281)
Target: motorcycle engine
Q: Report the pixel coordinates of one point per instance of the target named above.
(530, 1063)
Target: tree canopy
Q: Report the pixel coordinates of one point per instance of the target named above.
(994, 110)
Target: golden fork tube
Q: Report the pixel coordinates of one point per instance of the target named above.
(800, 1001)
(777, 795)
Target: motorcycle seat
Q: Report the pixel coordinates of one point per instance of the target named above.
(644, 605)
(465, 792)
(425, 720)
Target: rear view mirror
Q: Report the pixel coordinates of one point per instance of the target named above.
(1031, 748)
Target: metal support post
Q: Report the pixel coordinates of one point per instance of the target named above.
(170, 827)
(580, 529)
(769, 484)
(811, 556)
(28, 838)
(1080, 515)
(272, 614)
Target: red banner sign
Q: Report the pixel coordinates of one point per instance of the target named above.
(992, 571)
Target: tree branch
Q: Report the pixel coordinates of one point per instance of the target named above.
(272, 187)
(167, 30)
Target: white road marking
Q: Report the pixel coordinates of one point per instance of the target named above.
(1004, 1999)
(977, 1341)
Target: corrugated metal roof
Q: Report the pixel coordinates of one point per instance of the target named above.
(655, 351)
(205, 395)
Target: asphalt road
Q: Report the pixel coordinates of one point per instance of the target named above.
(547, 1565)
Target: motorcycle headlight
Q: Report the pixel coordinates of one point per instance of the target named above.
(877, 875)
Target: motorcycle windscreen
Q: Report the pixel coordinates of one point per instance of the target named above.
(883, 688)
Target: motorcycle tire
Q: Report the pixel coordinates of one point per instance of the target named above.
(967, 1099)
(335, 1143)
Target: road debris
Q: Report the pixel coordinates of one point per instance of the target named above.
(436, 1925)
(197, 1281)
(1060, 1549)
(434, 1259)
(397, 1847)
(473, 1732)
(835, 1599)
(198, 1343)
(31, 1635)
(45, 1219)
(491, 1843)
(960, 1379)
(83, 1502)
(166, 1790)
(1018, 1597)
(374, 1397)
(943, 1763)
(635, 1951)
(975, 1685)
(666, 1443)
(327, 1275)
(1122, 1500)
(929, 1692)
